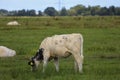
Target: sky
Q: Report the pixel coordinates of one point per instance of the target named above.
(43, 4)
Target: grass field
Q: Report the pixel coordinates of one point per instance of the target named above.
(101, 47)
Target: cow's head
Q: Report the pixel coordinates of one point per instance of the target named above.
(34, 61)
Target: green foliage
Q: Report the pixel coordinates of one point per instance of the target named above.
(73, 11)
(63, 12)
(50, 11)
(101, 47)
(3, 12)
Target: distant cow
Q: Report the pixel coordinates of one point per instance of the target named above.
(6, 52)
(59, 46)
(13, 23)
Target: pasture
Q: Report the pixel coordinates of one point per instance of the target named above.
(101, 47)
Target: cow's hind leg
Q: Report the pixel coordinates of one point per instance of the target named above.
(79, 62)
(56, 62)
(75, 66)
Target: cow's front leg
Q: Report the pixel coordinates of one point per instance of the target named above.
(45, 61)
(56, 62)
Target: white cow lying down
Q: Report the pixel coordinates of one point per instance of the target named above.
(6, 52)
(59, 46)
(13, 23)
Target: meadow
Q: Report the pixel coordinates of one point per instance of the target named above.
(101, 47)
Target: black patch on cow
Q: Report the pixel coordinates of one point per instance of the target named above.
(39, 54)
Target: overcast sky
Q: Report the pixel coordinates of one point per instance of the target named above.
(43, 4)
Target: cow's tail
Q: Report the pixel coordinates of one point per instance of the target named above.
(81, 46)
(81, 51)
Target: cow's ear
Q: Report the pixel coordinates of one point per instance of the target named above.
(41, 50)
(40, 56)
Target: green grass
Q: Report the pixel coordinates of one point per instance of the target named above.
(101, 47)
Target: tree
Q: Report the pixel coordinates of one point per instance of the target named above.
(80, 9)
(26, 13)
(72, 12)
(111, 10)
(32, 12)
(117, 11)
(104, 11)
(63, 12)
(40, 13)
(21, 12)
(95, 10)
(13, 13)
(3, 12)
(50, 11)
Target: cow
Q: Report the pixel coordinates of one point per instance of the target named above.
(6, 52)
(59, 46)
(12, 23)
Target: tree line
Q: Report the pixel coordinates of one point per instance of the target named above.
(73, 11)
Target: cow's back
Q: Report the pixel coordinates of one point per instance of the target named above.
(66, 40)
(61, 40)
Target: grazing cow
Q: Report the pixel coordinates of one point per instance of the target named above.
(59, 46)
(6, 52)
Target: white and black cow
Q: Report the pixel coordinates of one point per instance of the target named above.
(59, 46)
